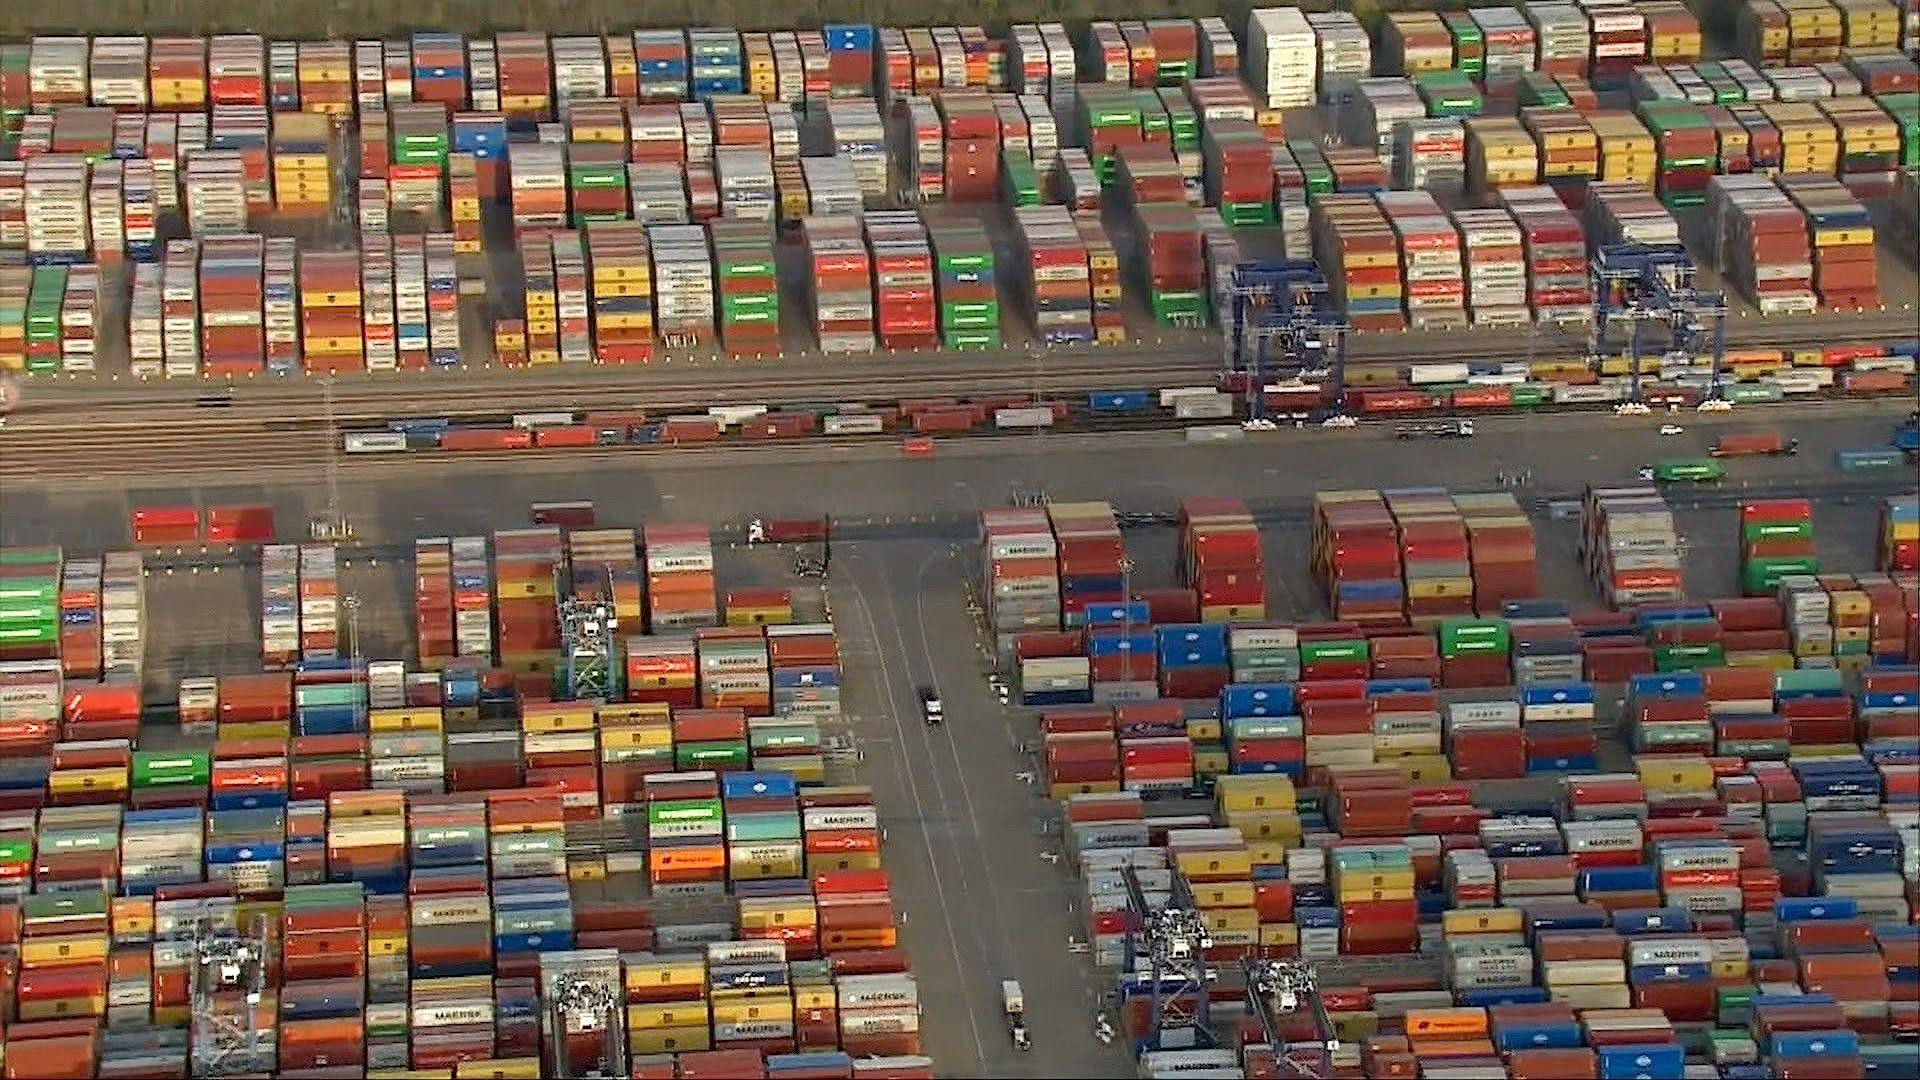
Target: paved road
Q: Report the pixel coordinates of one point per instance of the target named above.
(70, 430)
(964, 835)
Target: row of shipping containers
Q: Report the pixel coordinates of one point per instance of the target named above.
(1292, 57)
(620, 159)
(424, 853)
(1343, 820)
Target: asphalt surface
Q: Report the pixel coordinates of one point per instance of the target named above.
(967, 837)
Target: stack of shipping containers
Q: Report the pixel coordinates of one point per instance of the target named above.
(1761, 242)
(749, 290)
(964, 284)
(680, 582)
(1494, 261)
(1557, 283)
(683, 276)
(1020, 575)
(330, 321)
(841, 283)
(903, 298)
(1356, 556)
(1220, 560)
(1845, 270)
(1055, 273)
(1776, 540)
(621, 291)
(1430, 260)
(1630, 545)
(524, 566)
(1356, 244)
(231, 304)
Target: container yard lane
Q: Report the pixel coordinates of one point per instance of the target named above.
(987, 900)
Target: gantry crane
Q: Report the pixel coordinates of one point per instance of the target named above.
(1654, 283)
(227, 979)
(1281, 324)
(1173, 941)
(589, 671)
(1281, 988)
(583, 995)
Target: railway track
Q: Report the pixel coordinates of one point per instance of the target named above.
(265, 447)
(682, 384)
(227, 443)
(282, 426)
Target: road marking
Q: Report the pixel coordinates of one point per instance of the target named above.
(920, 810)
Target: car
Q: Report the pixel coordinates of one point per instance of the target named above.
(999, 687)
(932, 710)
(1672, 429)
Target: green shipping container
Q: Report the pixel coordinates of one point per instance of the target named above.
(788, 736)
(1809, 681)
(1693, 471)
(681, 811)
(1762, 576)
(1776, 530)
(1689, 657)
(719, 756)
(755, 827)
(152, 769)
(970, 339)
(1242, 215)
(1478, 637)
(1334, 652)
(1755, 749)
(1178, 308)
(1752, 393)
(1529, 395)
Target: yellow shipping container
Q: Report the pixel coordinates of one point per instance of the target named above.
(1210, 759)
(1255, 792)
(657, 973)
(1283, 935)
(63, 949)
(1380, 881)
(1677, 773)
(1232, 920)
(550, 718)
(1843, 237)
(1269, 852)
(1498, 920)
(498, 1069)
(389, 721)
(1213, 865)
(744, 1012)
(1223, 894)
(256, 729)
(1436, 587)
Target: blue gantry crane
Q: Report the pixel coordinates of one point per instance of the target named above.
(1167, 964)
(1639, 284)
(1282, 325)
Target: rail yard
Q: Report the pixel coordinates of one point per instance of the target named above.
(1266, 543)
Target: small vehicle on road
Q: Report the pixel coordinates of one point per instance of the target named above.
(1461, 428)
(932, 709)
(1687, 471)
(1014, 1003)
(1672, 429)
(1755, 444)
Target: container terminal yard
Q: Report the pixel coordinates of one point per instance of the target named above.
(530, 555)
